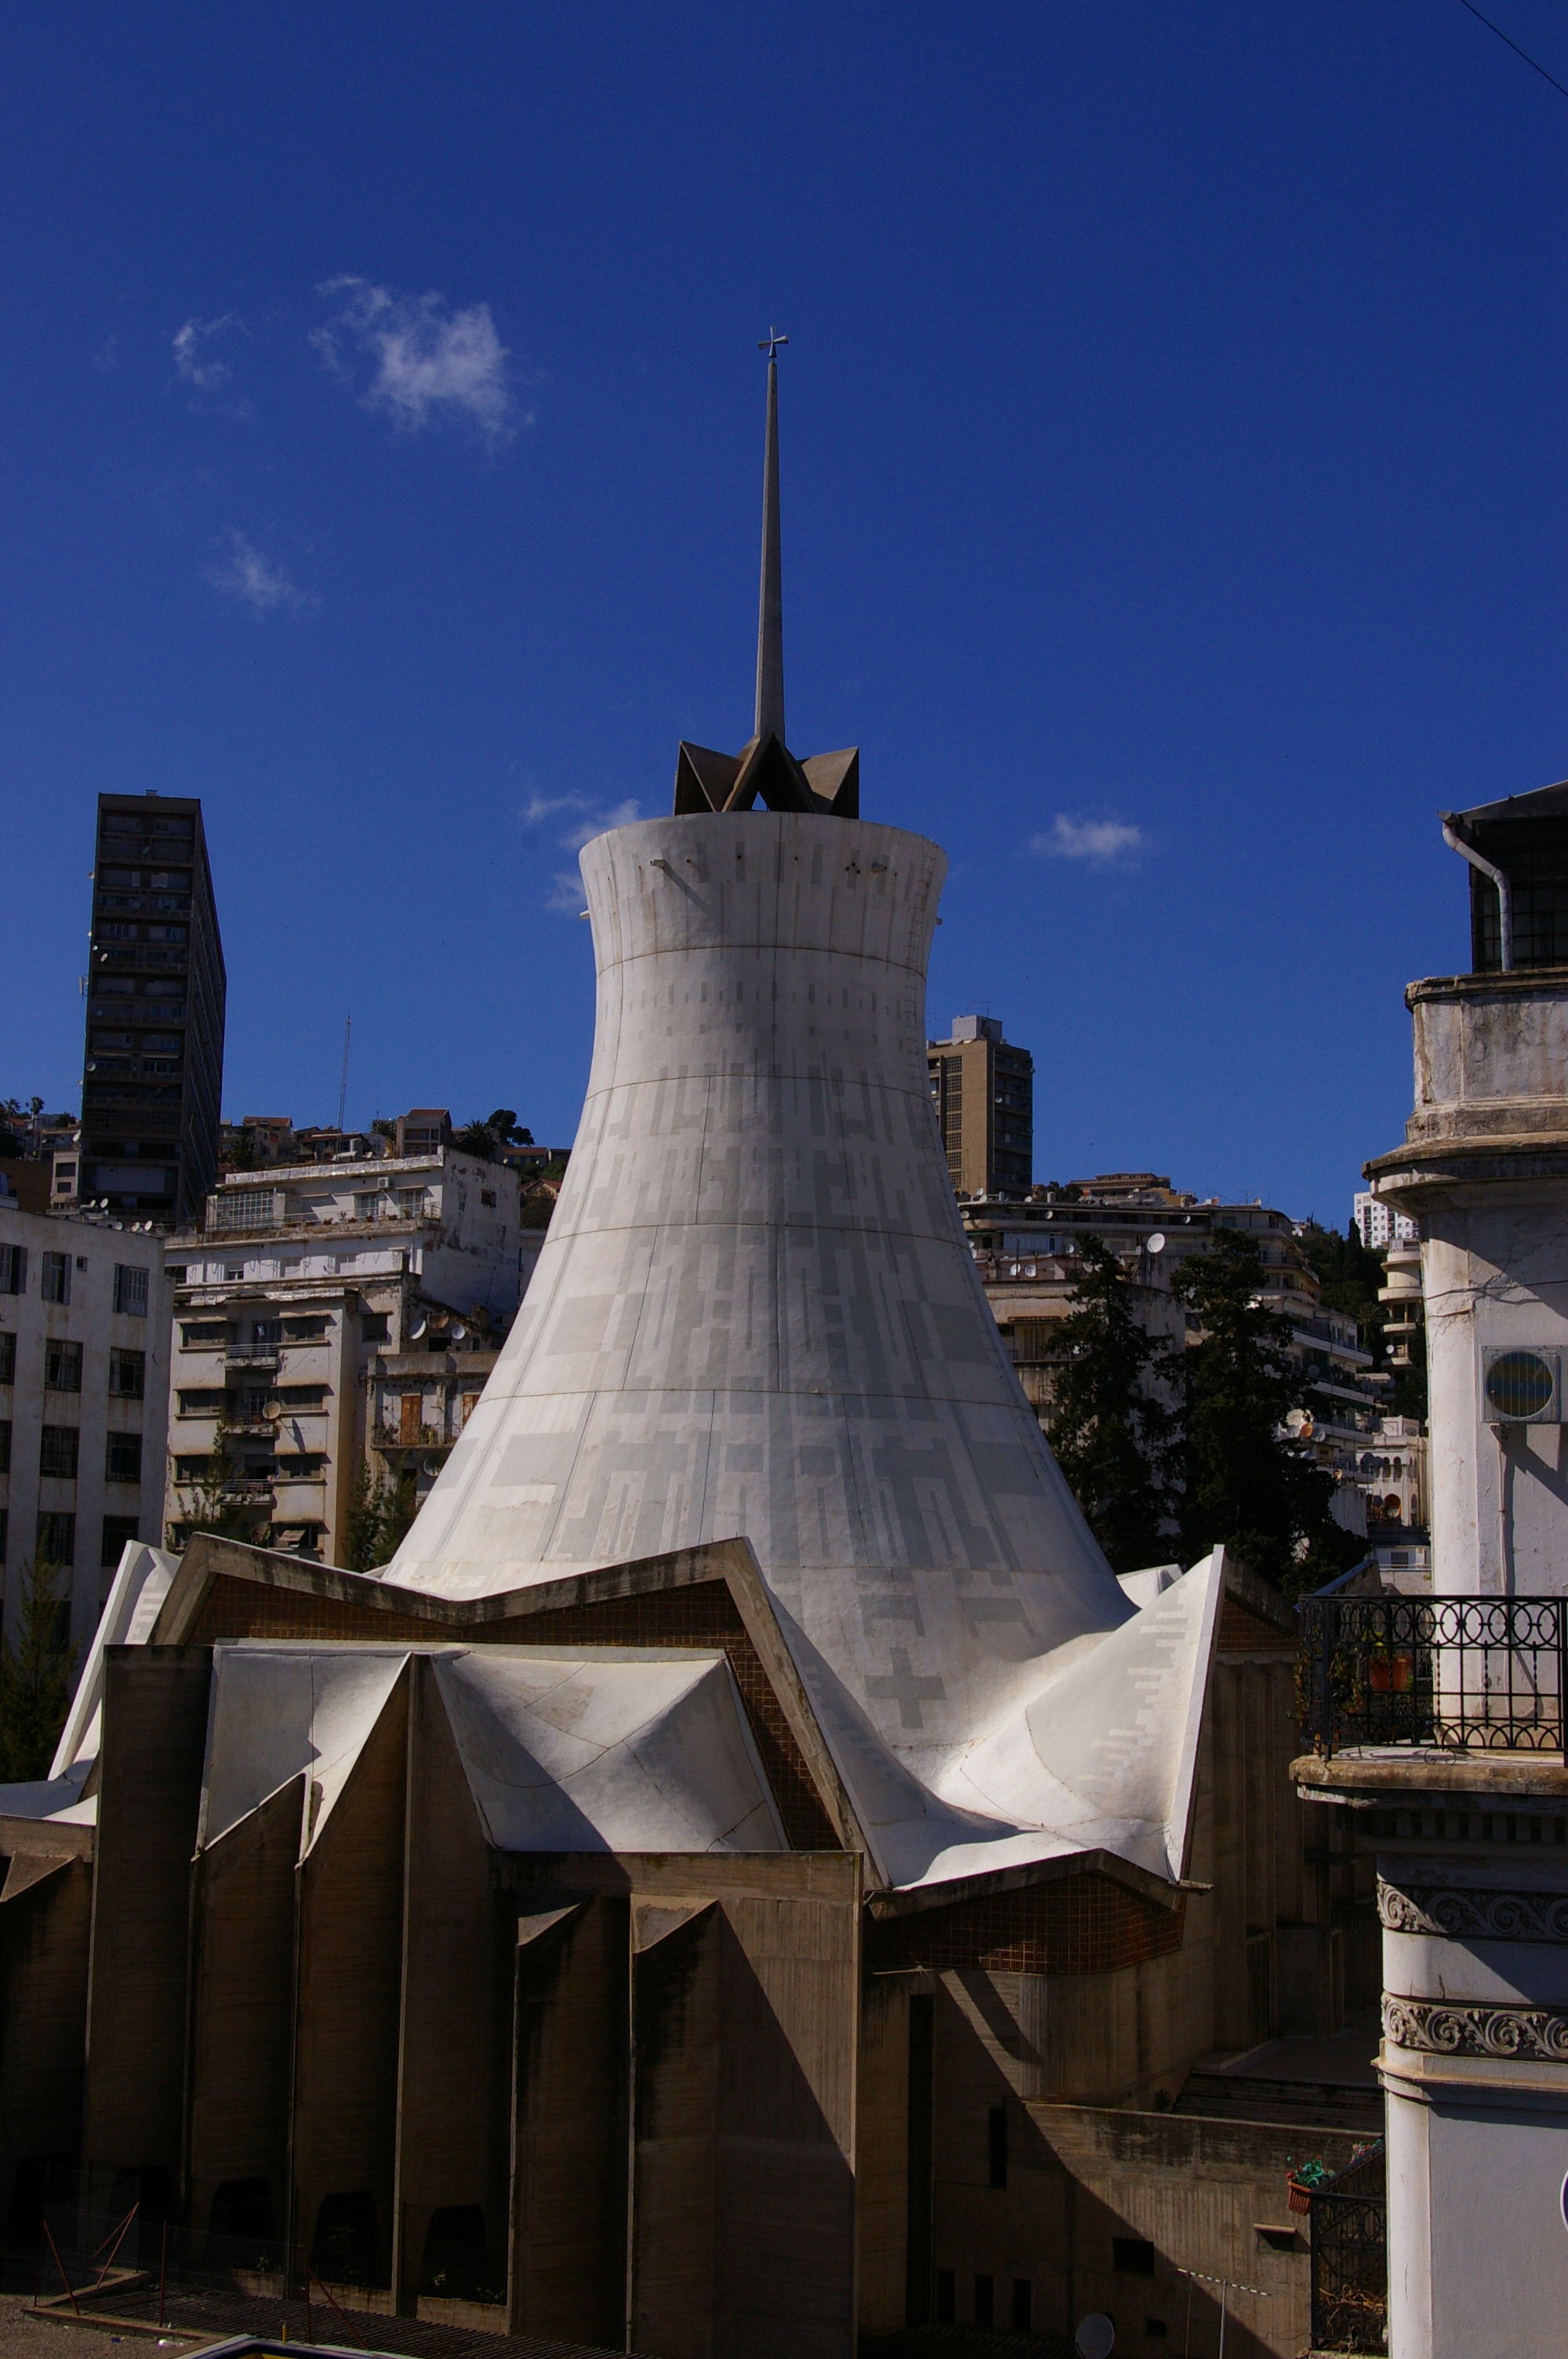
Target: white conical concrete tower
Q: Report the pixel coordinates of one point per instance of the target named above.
(756, 1313)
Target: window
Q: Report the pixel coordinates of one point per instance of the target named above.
(197, 1332)
(487, 1196)
(376, 1327)
(248, 1208)
(117, 1530)
(304, 1329)
(995, 2147)
(985, 2302)
(5, 1447)
(12, 1269)
(8, 1358)
(127, 1373)
(56, 1539)
(1131, 2256)
(62, 1367)
(201, 1404)
(471, 1402)
(123, 1458)
(130, 1290)
(57, 1451)
(1155, 2329)
(946, 2296)
(178, 1275)
(55, 1277)
(1023, 2305)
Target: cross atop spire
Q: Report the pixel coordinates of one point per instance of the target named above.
(770, 713)
(764, 770)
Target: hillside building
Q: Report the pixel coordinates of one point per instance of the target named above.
(982, 1090)
(85, 1354)
(1027, 1256)
(302, 1280)
(1379, 1225)
(153, 1072)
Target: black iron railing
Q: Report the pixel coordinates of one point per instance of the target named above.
(1462, 1674)
(1350, 2258)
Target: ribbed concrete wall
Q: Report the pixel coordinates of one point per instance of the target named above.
(756, 1313)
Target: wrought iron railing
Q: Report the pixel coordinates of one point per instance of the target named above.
(1461, 1674)
(1350, 2258)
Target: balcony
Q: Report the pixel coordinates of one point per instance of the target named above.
(257, 1488)
(252, 1356)
(427, 1437)
(1461, 1675)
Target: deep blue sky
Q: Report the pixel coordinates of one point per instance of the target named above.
(1174, 461)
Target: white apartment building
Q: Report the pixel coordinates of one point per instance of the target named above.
(1379, 1225)
(302, 1278)
(85, 1354)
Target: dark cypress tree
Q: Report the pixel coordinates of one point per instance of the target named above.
(1111, 1432)
(35, 1678)
(1242, 1482)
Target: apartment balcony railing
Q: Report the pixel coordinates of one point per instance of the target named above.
(1450, 1674)
(250, 1486)
(428, 1437)
(252, 1356)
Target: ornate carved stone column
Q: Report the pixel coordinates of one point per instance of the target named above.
(1472, 1858)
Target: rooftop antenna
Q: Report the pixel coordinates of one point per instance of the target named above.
(343, 1084)
(769, 714)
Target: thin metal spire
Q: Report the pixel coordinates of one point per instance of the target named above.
(769, 714)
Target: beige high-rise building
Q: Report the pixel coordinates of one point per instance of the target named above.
(982, 1088)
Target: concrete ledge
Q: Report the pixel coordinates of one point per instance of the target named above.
(1369, 1775)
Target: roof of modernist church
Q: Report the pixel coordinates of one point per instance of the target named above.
(756, 1331)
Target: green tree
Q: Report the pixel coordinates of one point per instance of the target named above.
(35, 1677)
(1242, 1481)
(488, 1137)
(380, 1513)
(1111, 1432)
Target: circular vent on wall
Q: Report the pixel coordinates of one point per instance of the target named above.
(1521, 1387)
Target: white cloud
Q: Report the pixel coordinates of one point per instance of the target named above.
(1098, 843)
(198, 364)
(258, 582)
(589, 819)
(427, 365)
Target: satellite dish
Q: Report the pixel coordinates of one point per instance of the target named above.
(416, 1330)
(432, 1467)
(273, 1411)
(1156, 1244)
(1095, 2337)
(459, 1332)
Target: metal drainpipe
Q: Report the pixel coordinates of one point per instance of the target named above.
(1505, 891)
